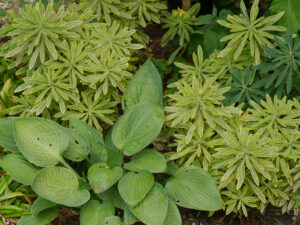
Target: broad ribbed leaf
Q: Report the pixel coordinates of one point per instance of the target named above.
(19, 168)
(153, 209)
(114, 155)
(134, 186)
(7, 139)
(97, 150)
(113, 220)
(149, 160)
(145, 86)
(41, 141)
(78, 148)
(138, 127)
(94, 212)
(41, 204)
(101, 177)
(129, 218)
(113, 195)
(43, 218)
(173, 215)
(60, 185)
(191, 187)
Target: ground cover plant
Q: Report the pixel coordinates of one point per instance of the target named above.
(211, 122)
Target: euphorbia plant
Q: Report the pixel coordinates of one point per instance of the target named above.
(39, 149)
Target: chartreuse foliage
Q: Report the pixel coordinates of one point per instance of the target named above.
(68, 60)
(39, 148)
(248, 30)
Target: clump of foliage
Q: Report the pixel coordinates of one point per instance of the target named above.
(249, 31)
(39, 149)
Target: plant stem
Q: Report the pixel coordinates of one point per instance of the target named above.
(68, 166)
(186, 4)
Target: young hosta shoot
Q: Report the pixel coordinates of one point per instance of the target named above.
(249, 31)
(283, 64)
(49, 85)
(37, 33)
(107, 189)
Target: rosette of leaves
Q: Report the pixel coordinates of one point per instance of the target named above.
(90, 110)
(114, 39)
(198, 151)
(272, 114)
(237, 200)
(179, 23)
(199, 103)
(104, 9)
(242, 88)
(245, 154)
(223, 67)
(72, 61)
(200, 68)
(144, 10)
(249, 31)
(37, 33)
(109, 74)
(48, 86)
(282, 64)
(39, 148)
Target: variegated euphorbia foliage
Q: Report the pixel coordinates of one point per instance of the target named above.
(252, 151)
(41, 149)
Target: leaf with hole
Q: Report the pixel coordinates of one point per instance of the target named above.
(78, 148)
(41, 141)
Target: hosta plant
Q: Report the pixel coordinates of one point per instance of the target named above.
(39, 149)
(249, 30)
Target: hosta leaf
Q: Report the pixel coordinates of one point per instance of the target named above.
(138, 127)
(173, 215)
(97, 150)
(102, 177)
(43, 218)
(60, 185)
(78, 148)
(291, 17)
(145, 86)
(113, 220)
(114, 155)
(113, 195)
(41, 141)
(149, 160)
(95, 212)
(129, 218)
(191, 187)
(153, 209)
(41, 204)
(7, 139)
(134, 186)
(19, 168)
